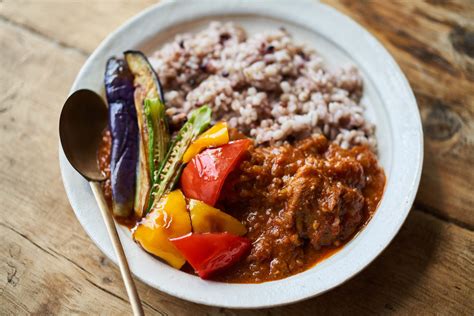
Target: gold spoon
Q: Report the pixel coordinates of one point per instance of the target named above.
(83, 118)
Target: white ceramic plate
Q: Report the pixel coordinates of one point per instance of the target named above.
(390, 104)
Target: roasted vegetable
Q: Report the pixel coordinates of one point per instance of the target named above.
(170, 170)
(204, 176)
(207, 219)
(158, 133)
(169, 219)
(213, 137)
(147, 86)
(124, 131)
(145, 77)
(211, 252)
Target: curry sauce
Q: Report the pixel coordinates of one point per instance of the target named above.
(300, 203)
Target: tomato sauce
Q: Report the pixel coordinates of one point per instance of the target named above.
(103, 160)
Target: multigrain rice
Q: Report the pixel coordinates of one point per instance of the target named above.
(265, 85)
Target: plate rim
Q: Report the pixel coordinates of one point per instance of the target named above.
(301, 293)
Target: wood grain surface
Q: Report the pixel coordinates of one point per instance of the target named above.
(48, 265)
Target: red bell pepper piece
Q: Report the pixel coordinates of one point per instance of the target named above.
(209, 253)
(204, 176)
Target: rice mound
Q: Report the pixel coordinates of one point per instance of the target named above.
(265, 85)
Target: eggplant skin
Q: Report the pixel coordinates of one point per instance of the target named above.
(123, 127)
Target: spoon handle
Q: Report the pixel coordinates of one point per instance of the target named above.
(122, 260)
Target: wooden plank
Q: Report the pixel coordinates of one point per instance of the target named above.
(430, 41)
(49, 265)
(84, 30)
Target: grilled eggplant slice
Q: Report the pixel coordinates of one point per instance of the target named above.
(145, 77)
(147, 87)
(124, 130)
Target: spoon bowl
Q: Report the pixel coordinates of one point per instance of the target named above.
(83, 119)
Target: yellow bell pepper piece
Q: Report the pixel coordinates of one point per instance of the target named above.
(207, 219)
(215, 136)
(169, 219)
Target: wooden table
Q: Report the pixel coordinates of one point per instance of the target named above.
(48, 265)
